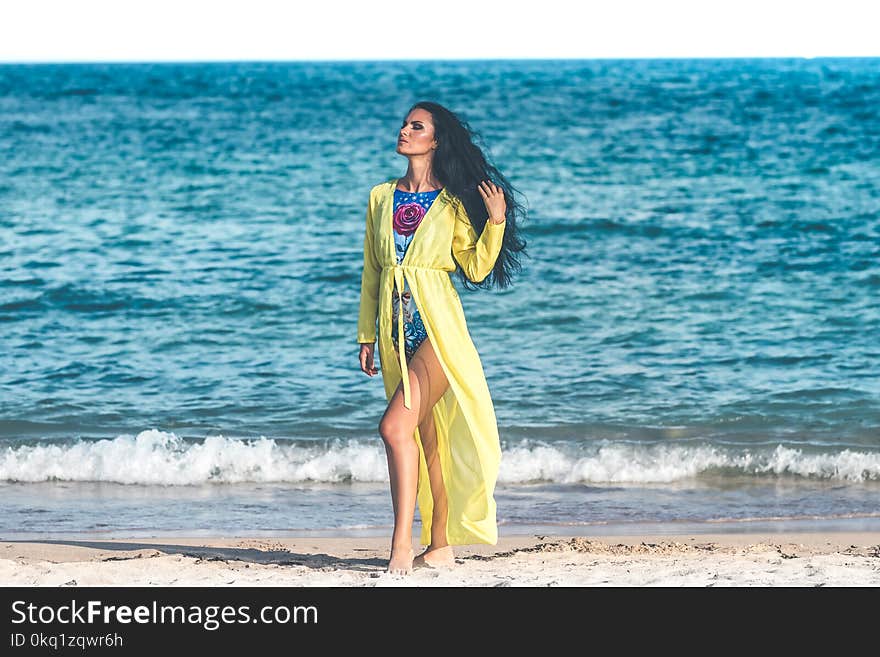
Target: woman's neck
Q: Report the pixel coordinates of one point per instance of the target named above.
(418, 178)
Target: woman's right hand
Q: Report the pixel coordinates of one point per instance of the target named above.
(367, 358)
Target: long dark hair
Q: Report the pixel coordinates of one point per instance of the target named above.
(460, 164)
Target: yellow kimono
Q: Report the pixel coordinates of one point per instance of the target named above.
(467, 434)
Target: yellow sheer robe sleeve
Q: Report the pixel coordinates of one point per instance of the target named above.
(476, 255)
(370, 279)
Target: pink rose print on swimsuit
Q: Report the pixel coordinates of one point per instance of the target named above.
(407, 218)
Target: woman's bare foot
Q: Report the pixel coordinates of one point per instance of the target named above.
(401, 561)
(440, 557)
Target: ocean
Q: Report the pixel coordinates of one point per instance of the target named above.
(693, 343)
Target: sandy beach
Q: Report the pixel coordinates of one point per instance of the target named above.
(753, 559)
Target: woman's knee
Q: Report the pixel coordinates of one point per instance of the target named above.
(394, 434)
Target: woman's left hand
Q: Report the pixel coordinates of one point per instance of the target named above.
(493, 197)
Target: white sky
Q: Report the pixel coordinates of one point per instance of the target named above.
(185, 30)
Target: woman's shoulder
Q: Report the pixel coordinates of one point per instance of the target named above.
(382, 186)
(389, 182)
(454, 202)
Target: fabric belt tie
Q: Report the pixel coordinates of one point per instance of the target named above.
(401, 343)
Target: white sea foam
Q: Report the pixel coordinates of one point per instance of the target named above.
(619, 463)
(162, 458)
(158, 457)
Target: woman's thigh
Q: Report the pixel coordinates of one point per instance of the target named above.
(427, 382)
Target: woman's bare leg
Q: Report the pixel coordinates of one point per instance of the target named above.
(397, 429)
(439, 552)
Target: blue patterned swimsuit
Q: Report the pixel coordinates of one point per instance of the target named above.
(409, 210)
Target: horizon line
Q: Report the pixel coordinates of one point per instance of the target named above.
(432, 59)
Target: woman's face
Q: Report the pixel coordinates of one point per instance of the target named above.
(416, 134)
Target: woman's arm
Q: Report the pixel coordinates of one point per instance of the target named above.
(369, 309)
(475, 255)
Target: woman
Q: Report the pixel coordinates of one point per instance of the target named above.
(451, 212)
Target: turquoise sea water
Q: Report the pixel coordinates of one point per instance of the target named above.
(694, 338)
